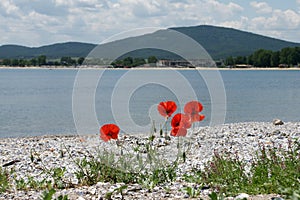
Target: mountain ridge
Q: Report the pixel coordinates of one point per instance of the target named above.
(57, 50)
(219, 42)
(245, 42)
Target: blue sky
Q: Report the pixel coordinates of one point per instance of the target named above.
(41, 22)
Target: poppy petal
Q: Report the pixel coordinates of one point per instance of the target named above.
(109, 131)
(187, 121)
(193, 107)
(114, 136)
(178, 131)
(171, 107)
(166, 109)
(201, 117)
(104, 137)
(162, 110)
(181, 120)
(175, 122)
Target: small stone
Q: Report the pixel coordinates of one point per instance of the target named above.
(166, 195)
(242, 196)
(156, 188)
(283, 134)
(276, 132)
(277, 122)
(80, 198)
(205, 187)
(277, 198)
(92, 191)
(11, 163)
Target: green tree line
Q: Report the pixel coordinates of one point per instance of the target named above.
(133, 62)
(288, 57)
(69, 61)
(42, 61)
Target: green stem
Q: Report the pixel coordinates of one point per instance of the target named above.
(77, 164)
(164, 126)
(178, 147)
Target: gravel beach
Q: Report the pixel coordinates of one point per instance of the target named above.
(30, 155)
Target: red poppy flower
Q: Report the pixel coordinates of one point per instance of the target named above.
(109, 131)
(180, 123)
(167, 108)
(181, 120)
(192, 109)
(178, 131)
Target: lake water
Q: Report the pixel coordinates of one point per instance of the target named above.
(39, 101)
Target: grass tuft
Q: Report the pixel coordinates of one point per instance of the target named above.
(273, 170)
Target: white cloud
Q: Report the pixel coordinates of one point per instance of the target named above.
(220, 9)
(8, 8)
(283, 24)
(279, 19)
(44, 22)
(237, 24)
(261, 7)
(63, 2)
(95, 20)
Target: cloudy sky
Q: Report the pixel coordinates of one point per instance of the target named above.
(41, 22)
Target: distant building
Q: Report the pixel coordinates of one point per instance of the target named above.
(283, 66)
(243, 66)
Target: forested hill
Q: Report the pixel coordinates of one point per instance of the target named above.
(222, 42)
(219, 42)
(69, 49)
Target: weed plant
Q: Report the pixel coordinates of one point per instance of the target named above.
(272, 171)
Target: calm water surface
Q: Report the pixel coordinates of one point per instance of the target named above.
(39, 101)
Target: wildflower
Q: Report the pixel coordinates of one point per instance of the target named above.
(180, 123)
(192, 109)
(167, 108)
(181, 120)
(109, 131)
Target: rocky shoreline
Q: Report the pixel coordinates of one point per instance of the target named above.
(30, 155)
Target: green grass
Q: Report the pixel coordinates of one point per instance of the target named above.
(273, 170)
(92, 171)
(147, 169)
(53, 178)
(4, 180)
(48, 195)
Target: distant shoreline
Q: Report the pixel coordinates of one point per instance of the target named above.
(157, 68)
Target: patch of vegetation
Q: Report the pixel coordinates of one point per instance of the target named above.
(31, 183)
(92, 171)
(118, 190)
(54, 179)
(129, 61)
(147, 169)
(273, 171)
(286, 57)
(192, 191)
(48, 195)
(4, 180)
